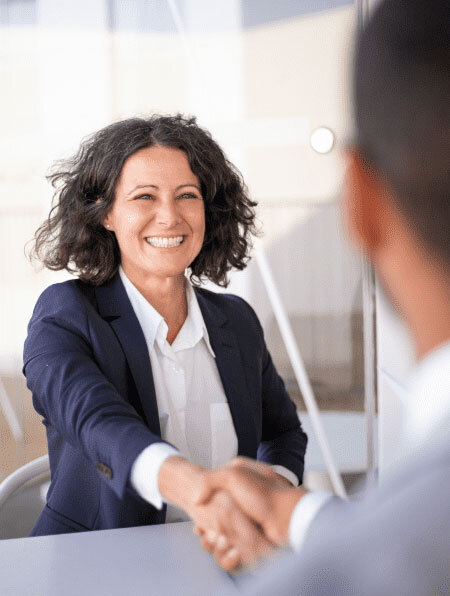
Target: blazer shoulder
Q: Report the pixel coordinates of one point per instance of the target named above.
(228, 302)
(64, 296)
(237, 310)
(61, 308)
(71, 301)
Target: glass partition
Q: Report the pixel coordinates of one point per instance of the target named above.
(270, 80)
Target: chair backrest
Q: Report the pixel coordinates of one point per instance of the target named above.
(22, 497)
(18, 478)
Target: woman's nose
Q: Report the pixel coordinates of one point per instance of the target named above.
(168, 213)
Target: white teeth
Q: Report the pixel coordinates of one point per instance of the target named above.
(164, 242)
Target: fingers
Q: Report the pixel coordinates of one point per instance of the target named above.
(250, 541)
(211, 482)
(245, 463)
(251, 490)
(241, 534)
(246, 551)
(198, 530)
(222, 546)
(208, 541)
(231, 537)
(230, 560)
(229, 476)
(226, 555)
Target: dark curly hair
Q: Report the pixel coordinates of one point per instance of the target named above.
(73, 236)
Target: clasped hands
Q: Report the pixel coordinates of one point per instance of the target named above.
(241, 511)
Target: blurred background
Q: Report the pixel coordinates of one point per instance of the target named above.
(271, 81)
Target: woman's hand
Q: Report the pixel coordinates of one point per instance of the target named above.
(228, 534)
(225, 531)
(180, 481)
(261, 494)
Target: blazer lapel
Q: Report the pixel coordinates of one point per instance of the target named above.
(115, 307)
(231, 371)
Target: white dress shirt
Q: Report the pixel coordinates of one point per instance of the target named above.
(428, 403)
(194, 414)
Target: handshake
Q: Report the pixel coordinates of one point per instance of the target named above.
(241, 511)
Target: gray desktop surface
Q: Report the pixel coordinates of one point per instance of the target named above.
(160, 560)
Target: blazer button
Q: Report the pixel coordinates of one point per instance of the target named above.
(104, 469)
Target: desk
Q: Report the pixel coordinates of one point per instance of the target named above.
(164, 560)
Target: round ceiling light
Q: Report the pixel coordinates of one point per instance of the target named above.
(322, 139)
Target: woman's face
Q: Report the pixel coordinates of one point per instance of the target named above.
(158, 214)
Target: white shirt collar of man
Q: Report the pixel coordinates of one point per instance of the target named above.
(429, 395)
(426, 401)
(155, 327)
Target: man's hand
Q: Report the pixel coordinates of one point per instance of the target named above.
(225, 530)
(260, 493)
(228, 534)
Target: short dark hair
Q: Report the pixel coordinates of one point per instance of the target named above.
(402, 110)
(73, 236)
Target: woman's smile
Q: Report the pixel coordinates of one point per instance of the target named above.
(165, 241)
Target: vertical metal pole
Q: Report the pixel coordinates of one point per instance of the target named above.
(299, 371)
(369, 331)
(369, 326)
(362, 7)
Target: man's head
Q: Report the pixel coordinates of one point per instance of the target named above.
(398, 198)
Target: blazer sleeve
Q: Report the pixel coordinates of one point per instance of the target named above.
(283, 441)
(71, 392)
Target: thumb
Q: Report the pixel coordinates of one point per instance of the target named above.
(210, 482)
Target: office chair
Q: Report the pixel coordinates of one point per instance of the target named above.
(22, 497)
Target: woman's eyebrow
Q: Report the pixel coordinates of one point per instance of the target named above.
(183, 185)
(141, 186)
(157, 187)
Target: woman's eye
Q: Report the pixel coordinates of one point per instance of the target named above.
(146, 196)
(188, 195)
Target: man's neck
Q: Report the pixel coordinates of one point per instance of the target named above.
(427, 311)
(417, 283)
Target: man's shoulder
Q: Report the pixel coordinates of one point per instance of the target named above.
(398, 535)
(418, 490)
(426, 463)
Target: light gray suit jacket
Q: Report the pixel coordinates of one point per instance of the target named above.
(395, 541)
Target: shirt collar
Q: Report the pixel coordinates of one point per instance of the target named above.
(194, 328)
(429, 394)
(155, 327)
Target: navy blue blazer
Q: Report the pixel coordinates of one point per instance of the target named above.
(88, 367)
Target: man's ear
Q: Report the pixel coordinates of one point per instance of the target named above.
(363, 205)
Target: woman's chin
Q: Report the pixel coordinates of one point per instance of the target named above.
(164, 272)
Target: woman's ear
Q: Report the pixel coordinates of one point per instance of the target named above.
(106, 222)
(362, 204)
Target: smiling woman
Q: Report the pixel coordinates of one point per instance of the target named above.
(158, 216)
(74, 237)
(144, 380)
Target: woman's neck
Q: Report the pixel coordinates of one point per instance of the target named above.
(167, 295)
